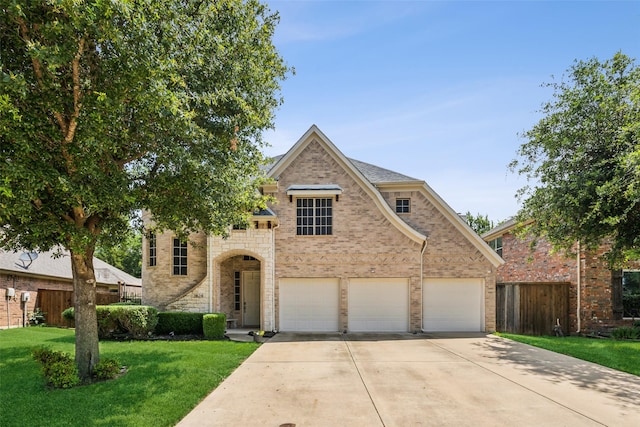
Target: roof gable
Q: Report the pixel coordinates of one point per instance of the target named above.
(372, 178)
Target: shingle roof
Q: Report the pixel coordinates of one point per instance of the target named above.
(374, 174)
(47, 264)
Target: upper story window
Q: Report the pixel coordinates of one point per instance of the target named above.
(403, 205)
(496, 245)
(314, 216)
(153, 250)
(314, 207)
(179, 257)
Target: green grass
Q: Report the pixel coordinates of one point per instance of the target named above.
(620, 355)
(164, 381)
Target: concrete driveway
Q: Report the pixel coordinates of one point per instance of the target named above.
(416, 380)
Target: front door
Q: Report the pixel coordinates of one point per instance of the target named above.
(250, 298)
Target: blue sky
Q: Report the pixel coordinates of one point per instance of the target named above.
(437, 90)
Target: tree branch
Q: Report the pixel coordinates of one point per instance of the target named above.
(77, 94)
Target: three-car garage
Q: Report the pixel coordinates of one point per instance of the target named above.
(380, 304)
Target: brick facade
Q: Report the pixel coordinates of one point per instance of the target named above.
(365, 243)
(14, 312)
(585, 270)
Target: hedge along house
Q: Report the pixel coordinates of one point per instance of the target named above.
(538, 288)
(30, 280)
(347, 246)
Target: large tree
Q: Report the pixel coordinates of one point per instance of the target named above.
(111, 107)
(582, 159)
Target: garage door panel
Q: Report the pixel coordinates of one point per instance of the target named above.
(379, 305)
(453, 305)
(309, 305)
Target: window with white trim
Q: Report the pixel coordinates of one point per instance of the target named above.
(153, 250)
(314, 216)
(403, 205)
(179, 257)
(496, 245)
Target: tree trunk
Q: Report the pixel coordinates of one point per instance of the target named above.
(84, 287)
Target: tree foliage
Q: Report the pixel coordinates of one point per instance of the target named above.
(111, 107)
(582, 159)
(479, 223)
(125, 255)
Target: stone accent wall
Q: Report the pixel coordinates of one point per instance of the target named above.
(227, 257)
(227, 282)
(161, 286)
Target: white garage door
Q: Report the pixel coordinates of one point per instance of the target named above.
(379, 305)
(451, 305)
(309, 305)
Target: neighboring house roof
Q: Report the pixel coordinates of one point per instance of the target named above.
(373, 178)
(50, 265)
(503, 228)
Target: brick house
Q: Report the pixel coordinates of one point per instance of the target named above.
(538, 287)
(346, 246)
(48, 282)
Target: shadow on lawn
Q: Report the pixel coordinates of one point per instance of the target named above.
(164, 380)
(559, 368)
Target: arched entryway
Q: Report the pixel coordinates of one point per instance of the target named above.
(241, 289)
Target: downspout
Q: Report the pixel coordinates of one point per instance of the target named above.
(424, 248)
(210, 273)
(273, 278)
(579, 286)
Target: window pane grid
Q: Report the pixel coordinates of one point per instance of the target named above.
(179, 257)
(236, 290)
(152, 250)
(314, 217)
(403, 205)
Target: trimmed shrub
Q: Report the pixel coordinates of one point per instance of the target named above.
(116, 321)
(625, 333)
(214, 325)
(59, 368)
(180, 323)
(69, 314)
(138, 321)
(108, 327)
(106, 369)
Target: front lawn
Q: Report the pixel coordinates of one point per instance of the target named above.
(620, 355)
(164, 381)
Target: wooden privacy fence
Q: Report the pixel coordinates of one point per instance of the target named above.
(532, 308)
(54, 302)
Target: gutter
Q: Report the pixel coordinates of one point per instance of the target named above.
(273, 278)
(424, 248)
